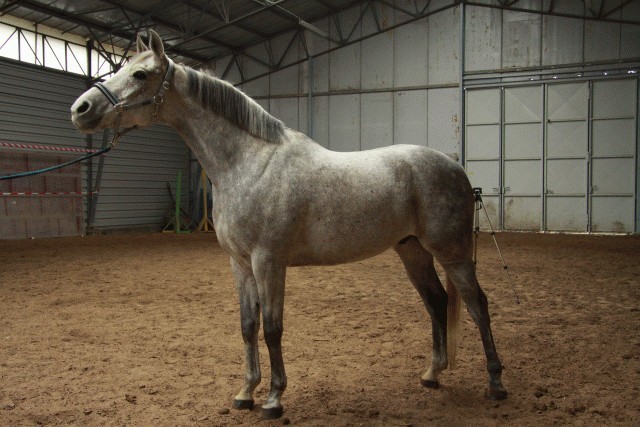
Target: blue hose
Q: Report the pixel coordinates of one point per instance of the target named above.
(52, 168)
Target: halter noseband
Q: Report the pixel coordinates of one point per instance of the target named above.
(121, 106)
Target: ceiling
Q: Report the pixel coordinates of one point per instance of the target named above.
(197, 32)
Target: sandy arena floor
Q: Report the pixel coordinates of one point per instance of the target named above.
(144, 330)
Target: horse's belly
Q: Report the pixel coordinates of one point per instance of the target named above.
(328, 243)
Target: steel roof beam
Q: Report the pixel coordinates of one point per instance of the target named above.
(95, 25)
(222, 17)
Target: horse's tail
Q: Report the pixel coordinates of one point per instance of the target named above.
(453, 322)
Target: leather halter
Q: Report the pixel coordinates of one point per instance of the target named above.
(122, 106)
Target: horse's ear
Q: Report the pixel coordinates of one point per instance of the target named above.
(155, 43)
(140, 46)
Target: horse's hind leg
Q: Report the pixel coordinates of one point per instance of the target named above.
(419, 265)
(463, 275)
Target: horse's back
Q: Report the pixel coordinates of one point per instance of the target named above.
(357, 204)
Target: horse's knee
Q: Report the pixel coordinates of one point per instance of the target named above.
(249, 327)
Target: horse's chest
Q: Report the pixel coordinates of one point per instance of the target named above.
(235, 232)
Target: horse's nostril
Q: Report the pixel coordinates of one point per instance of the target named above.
(83, 108)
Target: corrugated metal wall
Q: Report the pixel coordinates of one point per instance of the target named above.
(34, 109)
(133, 191)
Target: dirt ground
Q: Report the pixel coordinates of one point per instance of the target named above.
(143, 329)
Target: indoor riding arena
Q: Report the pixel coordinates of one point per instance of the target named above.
(135, 272)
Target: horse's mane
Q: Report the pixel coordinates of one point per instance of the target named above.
(223, 98)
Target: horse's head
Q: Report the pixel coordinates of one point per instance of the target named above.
(132, 97)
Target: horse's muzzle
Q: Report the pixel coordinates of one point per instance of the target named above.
(84, 115)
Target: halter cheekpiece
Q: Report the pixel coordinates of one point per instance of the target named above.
(121, 106)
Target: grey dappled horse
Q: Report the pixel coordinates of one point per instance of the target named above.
(283, 200)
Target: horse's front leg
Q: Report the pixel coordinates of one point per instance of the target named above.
(270, 277)
(250, 323)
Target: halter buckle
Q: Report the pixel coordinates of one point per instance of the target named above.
(158, 100)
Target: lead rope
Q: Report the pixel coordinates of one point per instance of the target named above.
(52, 168)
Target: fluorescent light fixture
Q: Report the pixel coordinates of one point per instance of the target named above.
(313, 29)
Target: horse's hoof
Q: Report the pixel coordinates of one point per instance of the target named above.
(430, 383)
(271, 413)
(243, 404)
(496, 394)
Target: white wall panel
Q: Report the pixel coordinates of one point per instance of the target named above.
(612, 214)
(377, 120)
(287, 110)
(521, 39)
(566, 214)
(344, 122)
(483, 149)
(562, 40)
(377, 61)
(614, 99)
(612, 137)
(410, 117)
(444, 47)
(483, 106)
(344, 69)
(250, 67)
(320, 120)
(411, 54)
(523, 104)
(303, 115)
(566, 177)
(444, 121)
(566, 152)
(483, 142)
(615, 115)
(522, 158)
(630, 34)
(611, 176)
(522, 213)
(524, 140)
(601, 40)
(567, 139)
(258, 87)
(321, 73)
(630, 40)
(483, 38)
(285, 82)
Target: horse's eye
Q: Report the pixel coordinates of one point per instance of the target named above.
(140, 75)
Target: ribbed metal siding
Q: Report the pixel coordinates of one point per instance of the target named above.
(34, 108)
(133, 191)
(34, 105)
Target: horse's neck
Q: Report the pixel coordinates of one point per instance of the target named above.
(227, 153)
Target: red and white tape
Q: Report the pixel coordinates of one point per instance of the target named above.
(45, 147)
(49, 193)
